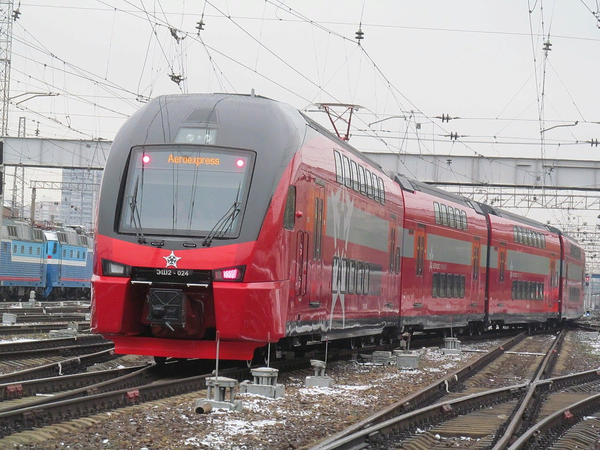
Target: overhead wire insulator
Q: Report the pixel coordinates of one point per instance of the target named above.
(16, 14)
(594, 143)
(200, 26)
(453, 136)
(359, 36)
(176, 78)
(547, 46)
(446, 118)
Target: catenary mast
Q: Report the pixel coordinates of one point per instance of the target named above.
(7, 16)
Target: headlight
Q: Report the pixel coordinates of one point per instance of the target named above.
(113, 269)
(229, 274)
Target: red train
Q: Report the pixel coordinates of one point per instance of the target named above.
(240, 218)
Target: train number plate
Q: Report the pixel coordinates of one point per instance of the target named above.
(177, 276)
(173, 272)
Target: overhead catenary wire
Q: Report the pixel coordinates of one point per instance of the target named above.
(219, 73)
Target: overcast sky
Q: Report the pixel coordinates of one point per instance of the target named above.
(483, 62)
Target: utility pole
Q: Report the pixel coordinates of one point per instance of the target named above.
(6, 24)
(7, 16)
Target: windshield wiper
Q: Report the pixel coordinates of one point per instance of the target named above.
(223, 224)
(135, 214)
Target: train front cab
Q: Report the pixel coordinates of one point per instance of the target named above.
(22, 267)
(211, 240)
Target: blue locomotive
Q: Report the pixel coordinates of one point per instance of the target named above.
(55, 263)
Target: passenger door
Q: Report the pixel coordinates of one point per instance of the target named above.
(420, 254)
(476, 269)
(316, 278)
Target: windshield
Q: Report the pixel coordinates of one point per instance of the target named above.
(185, 190)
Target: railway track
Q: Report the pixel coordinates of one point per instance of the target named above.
(82, 394)
(489, 404)
(21, 361)
(13, 352)
(94, 396)
(40, 328)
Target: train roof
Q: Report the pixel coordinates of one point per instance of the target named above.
(517, 218)
(412, 185)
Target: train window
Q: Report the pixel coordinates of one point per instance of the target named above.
(463, 216)
(31, 250)
(437, 213)
(443, 281)
(339, 171)
(22, 249)
(15, 249)
(462, 286)
(523, 239)
(344, 276)
(289, 215)
(514, 290)
(12, 231)
(375, 188)
(369, 183)
(381, 191)
(352, 277)
(362, 180)
(346, 166)
(435, 285)
(335, 274)
(444, 210)
(367, 279)
(457, 286)
(71, 254)
(354, 172)
(360, 275)
(450, 285)
(451, 217)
